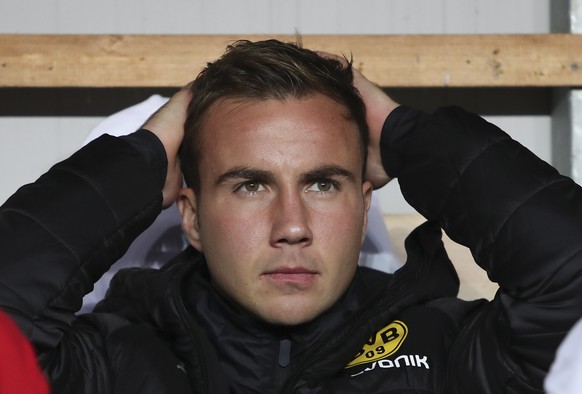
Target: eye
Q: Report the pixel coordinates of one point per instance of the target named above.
(323, 186)
(251, 187)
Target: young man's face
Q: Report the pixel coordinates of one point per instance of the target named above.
(282, 208)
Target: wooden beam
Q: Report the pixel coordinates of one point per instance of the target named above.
(390, 60)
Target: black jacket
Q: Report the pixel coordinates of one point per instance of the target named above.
(169, 331)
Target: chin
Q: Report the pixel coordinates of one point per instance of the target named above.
(288, 322)
(289, 318)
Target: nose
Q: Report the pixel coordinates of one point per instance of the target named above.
(290, 220)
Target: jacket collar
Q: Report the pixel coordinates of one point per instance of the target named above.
(157, 298)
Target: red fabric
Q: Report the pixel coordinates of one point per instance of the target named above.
(19, 370)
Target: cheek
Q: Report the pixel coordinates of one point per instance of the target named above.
(341, 231)
(344, 217)
(231, 229)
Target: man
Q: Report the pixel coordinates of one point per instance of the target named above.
(164, 238)
(280, 159)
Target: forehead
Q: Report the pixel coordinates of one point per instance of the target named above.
(284, 130)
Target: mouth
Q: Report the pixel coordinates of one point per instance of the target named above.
(292, 276)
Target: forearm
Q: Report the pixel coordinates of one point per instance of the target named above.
(61, 233)
(472, 178)
(520, 219)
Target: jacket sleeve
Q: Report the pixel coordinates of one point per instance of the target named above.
(59, 234)
(523, 223)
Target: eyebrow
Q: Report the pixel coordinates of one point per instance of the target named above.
(324, 172)
(254, 174)
(262, 176)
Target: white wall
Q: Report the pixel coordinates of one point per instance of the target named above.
(29, 146)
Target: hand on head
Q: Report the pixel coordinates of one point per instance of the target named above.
(168, 125)
(378, 106)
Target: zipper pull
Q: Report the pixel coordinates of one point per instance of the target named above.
(284, 352)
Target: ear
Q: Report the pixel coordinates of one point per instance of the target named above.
(189, 212)
(367, 195)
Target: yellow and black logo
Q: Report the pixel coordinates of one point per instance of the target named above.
(386, 342)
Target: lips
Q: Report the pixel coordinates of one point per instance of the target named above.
(286, 275)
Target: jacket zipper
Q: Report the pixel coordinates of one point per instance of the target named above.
(185, 318)
(283, 361)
